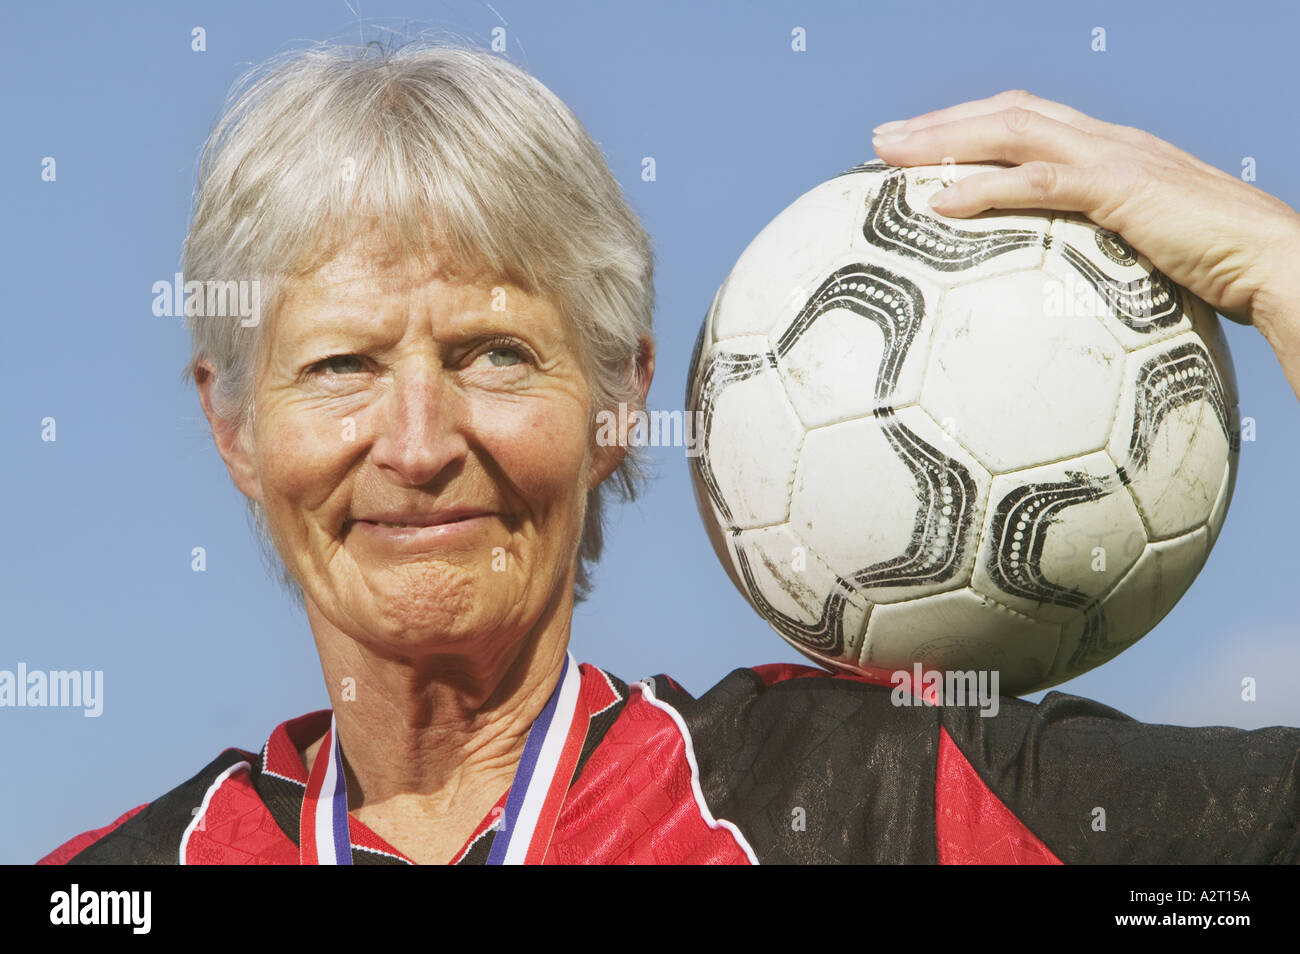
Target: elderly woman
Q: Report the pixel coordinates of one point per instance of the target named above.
(454, 287)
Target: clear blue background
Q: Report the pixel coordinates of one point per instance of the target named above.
(98, 527)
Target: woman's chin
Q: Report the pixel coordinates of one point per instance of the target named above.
(434, 606)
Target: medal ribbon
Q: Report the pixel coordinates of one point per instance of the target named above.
(537, 793)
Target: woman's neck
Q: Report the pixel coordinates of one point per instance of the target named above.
(430, 744)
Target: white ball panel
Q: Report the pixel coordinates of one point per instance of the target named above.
(849, 518)
(800, 596)
(718, 537)
(1219, 513)
(890, 504)
(772, 278)
(1057, 537)
(962, 630)
(752, 435)
(1023, 387)
(870, 352)
(1172, 434)
(1138, 602)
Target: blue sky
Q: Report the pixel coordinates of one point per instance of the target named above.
(96, 571)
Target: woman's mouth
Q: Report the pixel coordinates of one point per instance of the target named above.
(417, 531)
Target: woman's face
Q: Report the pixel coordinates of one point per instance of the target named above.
(421, 447)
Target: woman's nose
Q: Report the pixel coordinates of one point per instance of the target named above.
(419, 430)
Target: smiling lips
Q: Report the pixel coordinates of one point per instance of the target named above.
(412, 520)
(416, 533)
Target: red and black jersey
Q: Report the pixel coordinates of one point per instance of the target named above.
(788, 764)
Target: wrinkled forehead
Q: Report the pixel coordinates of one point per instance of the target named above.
(367, 282)
(367, 246)
(363, 270)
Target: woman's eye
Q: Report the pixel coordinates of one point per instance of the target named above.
(341, 364)
(503, 356)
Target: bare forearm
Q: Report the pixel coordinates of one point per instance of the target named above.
(1284, 336)
(1275, 309)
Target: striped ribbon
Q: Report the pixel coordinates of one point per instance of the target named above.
(537, 793)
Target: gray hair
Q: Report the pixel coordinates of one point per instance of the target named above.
(439, 147)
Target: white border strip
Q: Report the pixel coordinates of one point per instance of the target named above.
(714, 823)
(327, 852)
(207, 797)
(543, 778)
(266, 753)
(618, 696)
(382, 854)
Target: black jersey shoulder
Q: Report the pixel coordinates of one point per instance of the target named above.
(815, 770)
(1100, 787)
(153, 835)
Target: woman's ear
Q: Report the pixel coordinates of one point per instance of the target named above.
(231, 439)
(613, 437)
(645, 366)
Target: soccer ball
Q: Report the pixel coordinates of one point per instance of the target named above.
(1000, 443)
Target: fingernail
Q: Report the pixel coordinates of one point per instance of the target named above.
(942, 197)
(888, 139)
(889, 127)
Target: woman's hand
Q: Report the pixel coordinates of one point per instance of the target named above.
(1230, 243)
